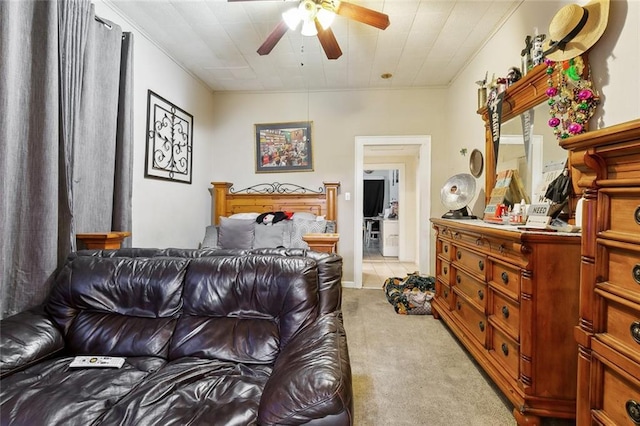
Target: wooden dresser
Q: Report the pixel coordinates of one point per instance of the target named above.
(606, 167)
(511, 297)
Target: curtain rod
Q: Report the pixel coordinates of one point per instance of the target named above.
(103, 22)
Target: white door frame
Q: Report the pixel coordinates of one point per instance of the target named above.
(423, 188)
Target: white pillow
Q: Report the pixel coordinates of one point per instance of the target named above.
(303, 216)
(251, 216)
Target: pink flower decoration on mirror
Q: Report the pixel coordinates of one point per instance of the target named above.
(554, 122)
(551, 92)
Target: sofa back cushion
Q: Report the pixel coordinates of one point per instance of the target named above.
(118, 306)
(245, 308)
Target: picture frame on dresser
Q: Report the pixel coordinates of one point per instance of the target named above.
(284, 147)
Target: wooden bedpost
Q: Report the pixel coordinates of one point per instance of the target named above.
(331, 189)
(219, 201)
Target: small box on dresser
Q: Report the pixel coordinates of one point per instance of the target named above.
(606, 168)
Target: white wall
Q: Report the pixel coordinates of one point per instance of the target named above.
(167, 214)
(338, 117)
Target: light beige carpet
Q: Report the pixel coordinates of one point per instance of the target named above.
(410, 370)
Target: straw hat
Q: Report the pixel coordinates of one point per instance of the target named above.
(574, 29)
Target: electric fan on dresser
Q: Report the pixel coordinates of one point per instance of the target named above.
(456, 194)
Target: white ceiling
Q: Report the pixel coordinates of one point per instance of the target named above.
(426, 45)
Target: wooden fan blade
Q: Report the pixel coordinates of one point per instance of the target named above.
(273, 38)
(328, 42)
(363, 14)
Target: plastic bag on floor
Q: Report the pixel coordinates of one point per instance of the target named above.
(410, 295)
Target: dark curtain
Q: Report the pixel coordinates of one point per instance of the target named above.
(60, 157)
(373, 199)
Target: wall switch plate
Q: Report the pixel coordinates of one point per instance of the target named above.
(347, 196)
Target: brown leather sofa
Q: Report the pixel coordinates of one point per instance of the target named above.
(210, 337)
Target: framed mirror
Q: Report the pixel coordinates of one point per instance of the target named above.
(524, 95)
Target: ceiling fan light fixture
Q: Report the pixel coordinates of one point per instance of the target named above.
(325, 17)
(292, 18)
(309, 28)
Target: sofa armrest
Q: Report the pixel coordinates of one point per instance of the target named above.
(311, 379)
(26, 339)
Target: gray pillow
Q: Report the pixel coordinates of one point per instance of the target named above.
(235, 233)
(302, 227)
(269, 236)
(210, 237)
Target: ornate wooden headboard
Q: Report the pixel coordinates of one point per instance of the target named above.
(273, 197)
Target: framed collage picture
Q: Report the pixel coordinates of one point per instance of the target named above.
(284, 147)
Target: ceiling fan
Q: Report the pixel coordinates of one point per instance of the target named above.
(316, 17)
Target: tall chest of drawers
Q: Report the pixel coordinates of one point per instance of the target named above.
(606, 167)
(511, 298)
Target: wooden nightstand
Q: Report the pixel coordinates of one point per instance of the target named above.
(103, 240)
(322, 242)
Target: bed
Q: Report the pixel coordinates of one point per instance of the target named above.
(280, 197)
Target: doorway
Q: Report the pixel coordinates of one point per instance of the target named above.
(411, 156)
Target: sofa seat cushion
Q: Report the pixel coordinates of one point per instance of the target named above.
(51, 393)
(194, 391)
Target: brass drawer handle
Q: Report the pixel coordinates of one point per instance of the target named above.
(480, 294)
(446, 293)
(637, 215)
(445, 270)
(635, 331)
(505, 312)
(633, 411)
(481, 265)
(636, 273)
(459, 305)
(446, 249)
(459, 255)
(458, 279)
(505, 277)
(505, 349)
(481, 325)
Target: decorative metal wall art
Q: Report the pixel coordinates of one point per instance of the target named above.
(284, 147)
(169, 140)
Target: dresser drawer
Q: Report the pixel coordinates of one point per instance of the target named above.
(506, 313)
(444, 269)
(443, 291)
(621, 263)
(620, 326)
(622, 207)
(618, 391)
(506, 279)
(476, 291)
(506, 351)
(443, 249)
(475, 263)
(473, 320)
